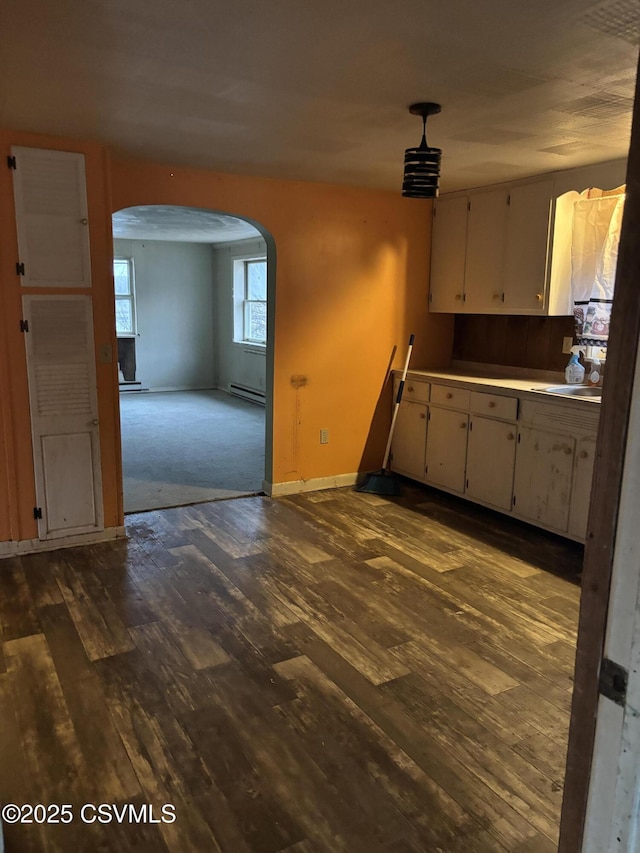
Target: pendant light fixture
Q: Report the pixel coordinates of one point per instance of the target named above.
(422, 164)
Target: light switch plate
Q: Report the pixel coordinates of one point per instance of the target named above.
(567, 343)
(324, 436)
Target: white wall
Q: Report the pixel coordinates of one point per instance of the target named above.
(242, 364)
(175, 346)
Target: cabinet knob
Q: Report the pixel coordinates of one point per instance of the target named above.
(567, 450)
(511, 436)
(492, 404)
(449, 395)
(539, 297)
(422, 415)
(410, 388)
(583, 454)
(84, 221)
(458, 296)
(463, 425)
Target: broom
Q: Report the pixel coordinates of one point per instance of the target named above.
(383, 482)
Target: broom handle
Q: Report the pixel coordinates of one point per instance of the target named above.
(397, 405)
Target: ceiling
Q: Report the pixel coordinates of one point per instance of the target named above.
(319, 89)
(183, 224)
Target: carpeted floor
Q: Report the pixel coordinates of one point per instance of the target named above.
(181, 447)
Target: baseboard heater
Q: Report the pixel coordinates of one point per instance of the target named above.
(247, 393)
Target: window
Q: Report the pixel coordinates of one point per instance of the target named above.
(125, 297)
(255, 301)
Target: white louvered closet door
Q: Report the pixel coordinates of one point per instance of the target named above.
(50, 195)
(64, 414)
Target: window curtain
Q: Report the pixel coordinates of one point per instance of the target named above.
(597, 217)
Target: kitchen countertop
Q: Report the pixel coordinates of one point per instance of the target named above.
(530, 384)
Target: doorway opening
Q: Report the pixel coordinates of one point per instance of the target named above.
(194, 305)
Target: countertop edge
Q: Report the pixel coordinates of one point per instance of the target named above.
(530, 388)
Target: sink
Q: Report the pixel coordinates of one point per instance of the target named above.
(574, 391)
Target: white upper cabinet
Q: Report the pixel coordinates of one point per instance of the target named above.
(448, 253)
(527, 256)
(51, 215)
(505, 268)
(494, 249)
(486, 239)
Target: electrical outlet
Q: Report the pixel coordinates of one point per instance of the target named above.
(567, 343)
(324, 436)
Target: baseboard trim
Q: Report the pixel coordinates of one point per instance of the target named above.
(316, 484)
(16, 548)
(161, 389)
(246, 393)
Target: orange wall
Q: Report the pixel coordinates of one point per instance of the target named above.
(352, 282)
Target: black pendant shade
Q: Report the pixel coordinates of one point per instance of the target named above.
(422, 164)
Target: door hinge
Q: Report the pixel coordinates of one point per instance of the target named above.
(467, 484)
(429, 415)
(514, 500)
(24, 325)
(426, 469)
(11, 162)
(518, 438)
(464, 297)
(37, 512)
(613, 681)
(470, 426)
(431, 297)
(509, 199)
(468, 205)
(19, 268)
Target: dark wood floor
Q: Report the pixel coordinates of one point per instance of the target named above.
(327, 672)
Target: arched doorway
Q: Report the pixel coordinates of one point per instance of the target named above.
(194, 306)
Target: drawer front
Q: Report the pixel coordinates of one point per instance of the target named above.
(494, 406)
(574, 419)
(451, 397)
(414, 390)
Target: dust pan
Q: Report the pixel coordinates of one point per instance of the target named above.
(384, 482)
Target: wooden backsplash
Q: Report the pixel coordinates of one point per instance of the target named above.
(534, 342)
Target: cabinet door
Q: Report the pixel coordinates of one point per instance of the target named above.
(581, 489)
(64, 414)
(409, 441)
(491, 458)
(527, 248)
(446, 448)
(51, 217)
(544, 467)
(486, 237)
(448, 249)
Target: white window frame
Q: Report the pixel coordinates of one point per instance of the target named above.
(241, 302)
(129, 297)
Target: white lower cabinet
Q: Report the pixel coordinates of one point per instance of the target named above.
(531, 458)
(446, 448)
(491, 454)
(581, 487)
(544, 471)
(409, 441)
